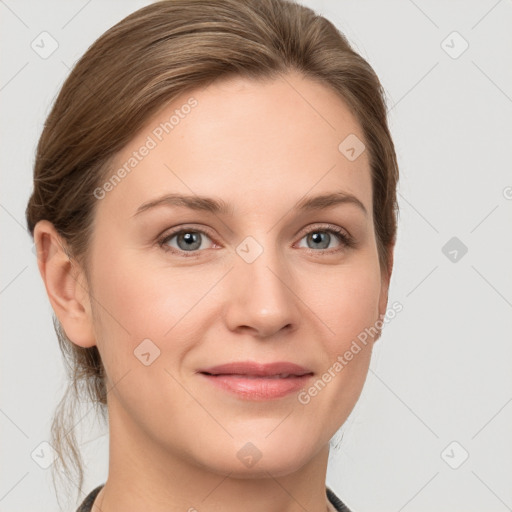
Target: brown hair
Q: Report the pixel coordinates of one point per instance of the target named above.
(145, 61)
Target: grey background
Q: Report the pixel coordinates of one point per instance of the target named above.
(442, 369)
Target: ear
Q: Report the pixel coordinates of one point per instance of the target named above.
(65, 284)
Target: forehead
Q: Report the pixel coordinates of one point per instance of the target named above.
(244, 140)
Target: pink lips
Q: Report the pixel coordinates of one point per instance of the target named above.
(254, 381)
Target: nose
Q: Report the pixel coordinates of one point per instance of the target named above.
(261, 299)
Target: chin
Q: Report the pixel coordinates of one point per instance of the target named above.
(258, 459)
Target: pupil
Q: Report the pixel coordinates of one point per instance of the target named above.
(321, 238)
(191, 240)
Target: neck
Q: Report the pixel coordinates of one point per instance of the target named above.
(143, 476)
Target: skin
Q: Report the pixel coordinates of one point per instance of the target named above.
(261, 147)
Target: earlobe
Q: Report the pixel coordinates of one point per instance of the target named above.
(65, 285)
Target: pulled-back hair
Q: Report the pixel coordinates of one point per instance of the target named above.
(136, 68)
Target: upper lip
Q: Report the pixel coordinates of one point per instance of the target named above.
(257, 369)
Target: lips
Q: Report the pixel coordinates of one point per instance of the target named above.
(251, 369)
(254, 381)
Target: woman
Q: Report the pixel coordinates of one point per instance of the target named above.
(214, 209)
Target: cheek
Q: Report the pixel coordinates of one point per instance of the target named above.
(348, 305)
(348, 302)
(136, 301)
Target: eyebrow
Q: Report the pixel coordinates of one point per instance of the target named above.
(218, 206)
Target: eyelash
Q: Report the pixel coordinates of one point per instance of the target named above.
(346, 240)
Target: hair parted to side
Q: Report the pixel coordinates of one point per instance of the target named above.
(134, 69)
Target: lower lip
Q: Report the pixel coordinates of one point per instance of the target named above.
(258, 388)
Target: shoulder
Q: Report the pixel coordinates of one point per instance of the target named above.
(86, 505)
(338, 504)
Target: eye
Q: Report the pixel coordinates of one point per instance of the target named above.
(318, 240)
(322, 237)
(186, 240)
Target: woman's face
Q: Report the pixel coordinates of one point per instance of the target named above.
(261, 280)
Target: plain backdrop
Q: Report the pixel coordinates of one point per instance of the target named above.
(431, 431)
